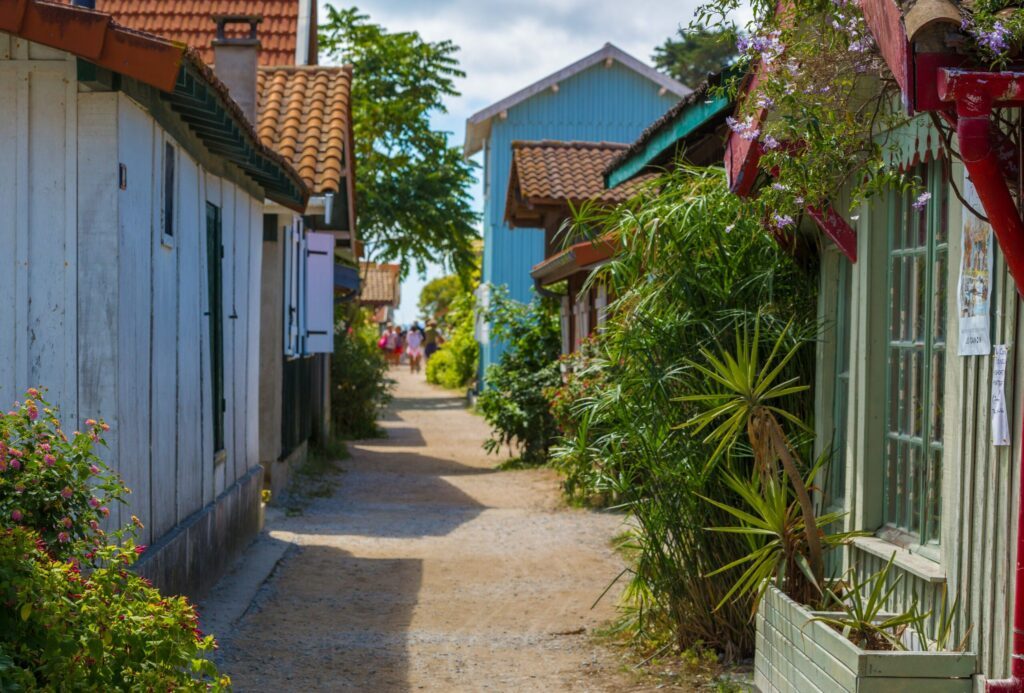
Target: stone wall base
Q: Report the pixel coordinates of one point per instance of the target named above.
(190, 558)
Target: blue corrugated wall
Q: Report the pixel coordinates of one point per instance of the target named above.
(611, 104)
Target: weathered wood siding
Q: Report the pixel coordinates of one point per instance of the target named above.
(980, 481)
(38, 175)
(103, 310)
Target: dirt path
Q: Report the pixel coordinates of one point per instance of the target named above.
(430, 570)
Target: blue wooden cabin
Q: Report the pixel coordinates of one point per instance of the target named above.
(607, 96)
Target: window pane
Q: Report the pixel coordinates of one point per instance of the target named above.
(939, 301)
(938, 377)
(896, 300)
(935, 496)
(914, 498)
(917, 393)
(919, 301)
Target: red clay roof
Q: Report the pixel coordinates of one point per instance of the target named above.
(304, 113)
(190, 22)
(152, 60)
(550, 172)
(380, 284)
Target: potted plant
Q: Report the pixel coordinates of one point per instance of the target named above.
(812, 633)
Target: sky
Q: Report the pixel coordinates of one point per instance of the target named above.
(509, 44)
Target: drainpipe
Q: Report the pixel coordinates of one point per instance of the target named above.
(975, 94)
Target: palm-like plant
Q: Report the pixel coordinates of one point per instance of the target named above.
(773, 523)
(746, 395)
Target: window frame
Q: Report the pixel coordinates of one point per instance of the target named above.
(215, 311)
(920, 433)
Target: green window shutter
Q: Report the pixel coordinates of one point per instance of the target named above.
(215, 300)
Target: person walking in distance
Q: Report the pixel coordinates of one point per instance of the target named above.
(414, 347)
(432, 339)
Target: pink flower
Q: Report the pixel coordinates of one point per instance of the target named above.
(94, 502)
(50, 460)
(32, 392)
(33, 413)
(105, 511)
(93, 469)
(66, 522)
(90, 422)
(139, 549)
(45, 447)
(105, 427)
(16, 515)
(94, 524)
(15, 464)
(66, 492)
(63, 537)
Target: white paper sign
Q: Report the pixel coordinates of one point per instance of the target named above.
(975, 286)
(1000, 425)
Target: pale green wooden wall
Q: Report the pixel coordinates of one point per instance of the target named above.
(980, 481)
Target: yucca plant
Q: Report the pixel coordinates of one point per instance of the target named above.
(746, 389)
(772, 522)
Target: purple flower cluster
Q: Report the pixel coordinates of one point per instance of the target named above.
(744, 128)
(995, 39)
(767, 47)
(781, 221)
(922, 200)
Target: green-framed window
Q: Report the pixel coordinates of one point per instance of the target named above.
(915, 360)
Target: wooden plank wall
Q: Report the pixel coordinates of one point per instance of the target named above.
(980, 481)
(105, 315)
(38, 225)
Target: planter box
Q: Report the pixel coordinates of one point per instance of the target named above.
(797, 655)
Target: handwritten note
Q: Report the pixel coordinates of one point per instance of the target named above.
(1000, 425)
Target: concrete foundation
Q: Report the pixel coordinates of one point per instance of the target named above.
(189, 559)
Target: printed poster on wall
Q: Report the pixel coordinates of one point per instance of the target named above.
(1000, 423)
(975, 287)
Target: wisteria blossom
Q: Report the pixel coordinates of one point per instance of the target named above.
(922, 200)
(995, 39)
(781, 221)
(744, 128)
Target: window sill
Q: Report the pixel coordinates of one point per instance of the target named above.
(921, 567)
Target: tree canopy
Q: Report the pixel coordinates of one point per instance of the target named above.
(693, 53)
(412, 186)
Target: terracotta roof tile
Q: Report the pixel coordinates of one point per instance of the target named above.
(553, 172)
(304, 114)
(190, 22)
(380, 284)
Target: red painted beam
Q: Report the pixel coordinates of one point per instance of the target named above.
(836, 228)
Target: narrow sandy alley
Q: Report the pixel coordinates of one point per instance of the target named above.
(430, 570)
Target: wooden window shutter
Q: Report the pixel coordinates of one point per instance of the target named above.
(319, 322)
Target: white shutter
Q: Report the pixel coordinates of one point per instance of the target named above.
(481, 328)
(319, 313)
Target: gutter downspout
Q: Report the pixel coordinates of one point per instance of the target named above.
(975, 94)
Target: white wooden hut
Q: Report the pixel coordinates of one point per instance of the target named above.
(132, 190)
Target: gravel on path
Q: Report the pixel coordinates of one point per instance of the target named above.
(428, 569)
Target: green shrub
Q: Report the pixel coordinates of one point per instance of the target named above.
(454, 364)
(360, 388)
(514, 402)
(692, 270)
(74, 616)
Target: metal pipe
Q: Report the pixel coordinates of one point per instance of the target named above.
(975, 94)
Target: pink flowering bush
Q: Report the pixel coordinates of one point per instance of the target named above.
(52, 482)
(73, 615)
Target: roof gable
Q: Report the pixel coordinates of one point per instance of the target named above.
(478, 125)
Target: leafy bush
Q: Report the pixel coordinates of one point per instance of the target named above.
(691, 270)
(454, 364)
(75, 617)
(51, 483)
(513, 401)
(360, 387)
